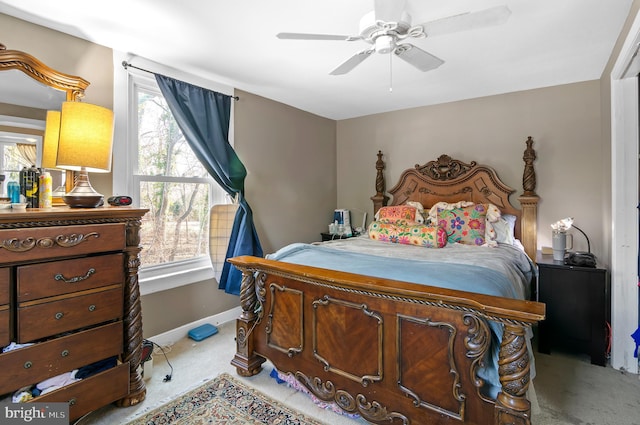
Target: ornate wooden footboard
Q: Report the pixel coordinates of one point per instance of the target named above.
(394, 352)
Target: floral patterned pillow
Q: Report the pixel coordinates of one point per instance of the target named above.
(464, 225)
(406, 214)
(427, 236)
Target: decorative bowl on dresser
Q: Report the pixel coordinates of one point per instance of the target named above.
(69, 292)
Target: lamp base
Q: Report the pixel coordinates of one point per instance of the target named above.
(83, 195)
(83, 201)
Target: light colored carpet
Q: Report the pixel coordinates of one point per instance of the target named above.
(570, 391)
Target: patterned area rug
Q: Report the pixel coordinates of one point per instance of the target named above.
(223, 400)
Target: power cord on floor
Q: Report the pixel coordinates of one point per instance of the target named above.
(167, 378)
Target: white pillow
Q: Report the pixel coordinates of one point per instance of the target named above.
(419, 212)
(505, 229)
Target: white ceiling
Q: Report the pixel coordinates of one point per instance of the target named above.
(543, 43)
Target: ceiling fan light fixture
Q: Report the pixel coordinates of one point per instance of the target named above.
(385, 44)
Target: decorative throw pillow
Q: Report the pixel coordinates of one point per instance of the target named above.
(464, 225)
(406, 213)
(418, 234)
(505, 228)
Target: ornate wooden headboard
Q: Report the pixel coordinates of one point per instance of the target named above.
(451, 180)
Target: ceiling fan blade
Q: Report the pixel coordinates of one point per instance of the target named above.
(468, 21)
(389, 10)
(352, 62)
(417, 57)
(302, 36)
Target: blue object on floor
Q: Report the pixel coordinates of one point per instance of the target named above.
(636, 338)
(202, 332)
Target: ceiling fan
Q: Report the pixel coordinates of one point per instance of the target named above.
(388, 25)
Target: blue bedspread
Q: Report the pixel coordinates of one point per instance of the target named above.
(464, 277)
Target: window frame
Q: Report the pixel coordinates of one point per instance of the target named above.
(169, 275)
(9, 137)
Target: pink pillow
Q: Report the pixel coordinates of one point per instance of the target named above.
(399, 213)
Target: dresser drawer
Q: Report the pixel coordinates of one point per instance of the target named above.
(91, 393)
(5, 326)
(42, 319)
(5, 285)
(63, 277)
(60, 241)
(33, 364)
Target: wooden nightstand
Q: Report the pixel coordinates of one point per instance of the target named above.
(578, 308)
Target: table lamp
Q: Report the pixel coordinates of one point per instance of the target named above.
(84, 144)
(584, 259)
(51, 136)
(50, 147)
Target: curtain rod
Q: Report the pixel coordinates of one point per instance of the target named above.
(126, 65)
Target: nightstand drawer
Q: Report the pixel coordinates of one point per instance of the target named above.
(63, 277)
(64, 241)
(30, 365)
(36, 321)
(91, 393)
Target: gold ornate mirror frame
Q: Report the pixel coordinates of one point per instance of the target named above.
(72, 85)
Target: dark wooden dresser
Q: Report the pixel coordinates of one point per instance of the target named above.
(69, 288)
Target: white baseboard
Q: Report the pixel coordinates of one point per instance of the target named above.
(169, 337)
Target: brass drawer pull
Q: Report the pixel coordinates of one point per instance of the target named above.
(59, 276)
(92, 307)
(27, 365)
(59, 315)
(64, 353)
(64, 241)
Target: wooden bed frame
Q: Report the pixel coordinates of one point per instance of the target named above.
(396, 352)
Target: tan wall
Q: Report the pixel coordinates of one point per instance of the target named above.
(290, 156)
(564, 121)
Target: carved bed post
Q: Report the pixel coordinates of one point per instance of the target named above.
(512, 406)
(379, 199)
(529, 203)
(247, 363)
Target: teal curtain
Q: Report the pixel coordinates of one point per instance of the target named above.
(203, 116)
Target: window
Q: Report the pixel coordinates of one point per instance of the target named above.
(168, 180)
(18, 149)
(15, 156)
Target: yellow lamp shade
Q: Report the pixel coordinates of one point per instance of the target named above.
(86, 137)
(51, 136)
